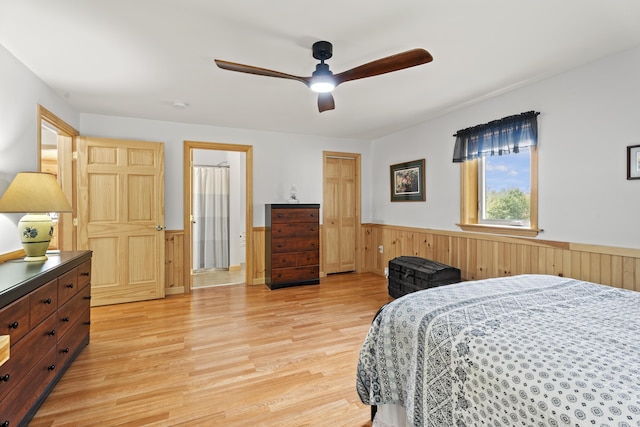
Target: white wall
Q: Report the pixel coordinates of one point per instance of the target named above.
(588, 117)
(20, 93)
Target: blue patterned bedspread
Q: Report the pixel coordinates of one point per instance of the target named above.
(530, 350)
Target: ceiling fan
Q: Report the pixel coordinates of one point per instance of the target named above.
(324, 81)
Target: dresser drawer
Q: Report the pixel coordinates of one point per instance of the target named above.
(43, 302)
(67, 286)
(84, 274)
(283, 260)
(23, 396)
(295, 244)
(295, 215)
(295, 230)
(69, 343)
(69, 313)
(307, 258)
(25, 353)
(284, 275)
(15, 320)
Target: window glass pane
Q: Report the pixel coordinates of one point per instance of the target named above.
(504, 189)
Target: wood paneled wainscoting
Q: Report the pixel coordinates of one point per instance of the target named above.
(480, 256)
(174, 262)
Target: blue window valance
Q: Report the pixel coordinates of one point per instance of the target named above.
(499, 137)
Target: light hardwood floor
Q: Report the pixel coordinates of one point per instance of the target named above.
(224, 356)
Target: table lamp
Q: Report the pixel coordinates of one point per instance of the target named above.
(36, 194)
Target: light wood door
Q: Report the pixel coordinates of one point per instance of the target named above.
(339, 215)
(121, 217)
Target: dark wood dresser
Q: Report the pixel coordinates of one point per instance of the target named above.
(44, 308)
(292, 245)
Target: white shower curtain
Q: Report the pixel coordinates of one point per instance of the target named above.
(211, 215)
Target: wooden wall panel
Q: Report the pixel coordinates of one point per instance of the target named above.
(482, 256)
(259, 268)
(174, 265)
(478, 256)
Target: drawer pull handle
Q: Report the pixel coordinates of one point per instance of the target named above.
(5, 424)
(70, 286)
(51, 367)
(313, 229)
(48, 301)
(14, 325)
(85, 273)
(65, 350)
(87, 297)
(87, 322)
(5, 378)
(52, 333)
(65, 319)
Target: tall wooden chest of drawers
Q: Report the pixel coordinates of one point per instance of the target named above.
(292, 245)
(44, 308)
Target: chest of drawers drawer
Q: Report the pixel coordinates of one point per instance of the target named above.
(15, 319)
(297, 274)
(294, 230)
(293, 214)
(300, 244)
(73, 339)
(67, 286)
(43, 302)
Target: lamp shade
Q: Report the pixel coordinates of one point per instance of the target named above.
(36, 194)
(32, 192)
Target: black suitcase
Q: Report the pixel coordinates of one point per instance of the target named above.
(410, 274)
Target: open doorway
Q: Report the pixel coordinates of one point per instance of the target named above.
(56, 141)
(218, 214)
(218, 223)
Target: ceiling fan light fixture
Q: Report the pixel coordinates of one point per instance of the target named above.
(322, 80)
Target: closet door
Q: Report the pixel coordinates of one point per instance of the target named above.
(340, 216)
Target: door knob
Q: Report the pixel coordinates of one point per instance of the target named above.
(159, 227)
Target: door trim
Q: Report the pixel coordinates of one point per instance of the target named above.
(187, 179)
(358, 202)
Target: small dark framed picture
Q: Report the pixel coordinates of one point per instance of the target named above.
(633, 162)
(407, 182)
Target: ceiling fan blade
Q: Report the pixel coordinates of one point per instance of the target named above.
(400, 61)
(233, 66)
(325, 102)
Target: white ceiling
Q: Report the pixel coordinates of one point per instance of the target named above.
(134, 58)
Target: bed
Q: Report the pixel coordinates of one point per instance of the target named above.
(528, 350)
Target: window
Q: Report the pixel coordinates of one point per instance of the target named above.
(499, 174)
(504, 189)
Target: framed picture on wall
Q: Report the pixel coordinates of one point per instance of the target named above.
(407, 182)
(633, 162)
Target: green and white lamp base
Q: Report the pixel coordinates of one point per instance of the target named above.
(36, 231)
